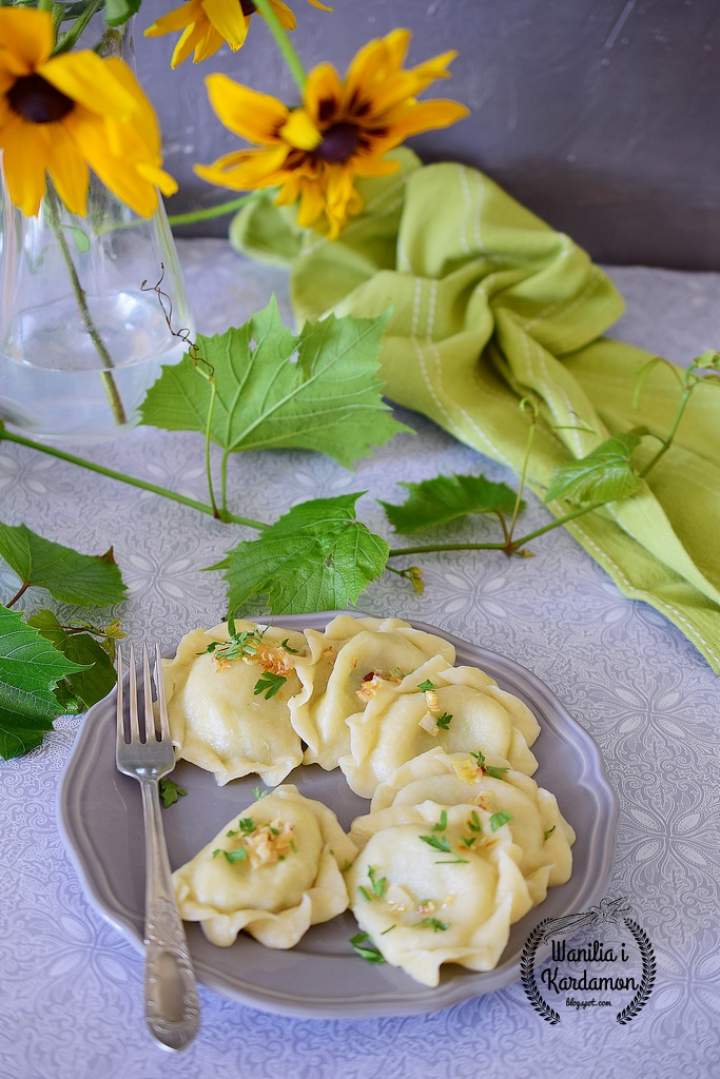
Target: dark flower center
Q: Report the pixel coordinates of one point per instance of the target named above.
(37, 100)
(248, 8)
(338, 144)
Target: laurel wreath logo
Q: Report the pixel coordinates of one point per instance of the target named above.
(527, 975)
(647, 954)
(607, 912)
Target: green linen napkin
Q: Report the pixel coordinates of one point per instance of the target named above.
(488, 303)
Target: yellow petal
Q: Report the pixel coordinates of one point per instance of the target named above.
(26, 38)
(158, 178)
(88, 79)
(144, 123)
(117, 173)
(24, 159)
(229, 20)
(254, 116)
(300, 131)
(323, 92)
(374, 166)
(175, 20)
(376, 61)
(187, 41)
(312, 204)
(245, 169)
(208, 45)
(68, 170)
(434, 68)
(424, 116)
(317, 4)
(284, 14)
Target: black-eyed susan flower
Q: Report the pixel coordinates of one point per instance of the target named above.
(207, 25)
(61, 114)
(342, 130)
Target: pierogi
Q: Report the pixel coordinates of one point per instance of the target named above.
(228, 700)
(426, 898)
(536, 824)
(346, 664)
(274, 870)
(457, 708)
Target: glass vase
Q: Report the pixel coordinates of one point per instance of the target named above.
(82, 332)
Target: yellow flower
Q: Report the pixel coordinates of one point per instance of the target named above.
(342, 130)
(207, 25)
(60, 114)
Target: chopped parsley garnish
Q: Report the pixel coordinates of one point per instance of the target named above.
(474, 823)
(231, 856)
(442, 823)
(288, 648)
(435, 924)
(239, 645)
(268, 684)
(468, 840)
(259, 793)
(170, 792)
(246, 825)
(365, 948)
(546, 835)
(444, 721)
(498, 819)
(453, 861)
(426, 685)
(494, 772)
(393, 926)
(378, 886)
(479, 758)
(437, 842)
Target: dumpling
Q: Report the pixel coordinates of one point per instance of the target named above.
(274, 871)
(458, 708)
(346, 664)
(228, 700)
(536, 824)
(426, 898)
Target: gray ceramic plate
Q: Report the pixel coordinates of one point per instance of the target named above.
(101, 822)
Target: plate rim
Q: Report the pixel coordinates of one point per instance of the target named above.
(385, 1004)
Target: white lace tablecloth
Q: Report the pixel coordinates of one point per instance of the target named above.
(71, 987)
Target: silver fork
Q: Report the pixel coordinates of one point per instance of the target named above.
(172, 1010)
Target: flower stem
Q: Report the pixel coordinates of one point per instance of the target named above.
(667, 442)
(208, 460)
(111, 390)
(21, 591)
(122, 477)
(70, 38)
(398, 552)
(283, 43)
(210, 212)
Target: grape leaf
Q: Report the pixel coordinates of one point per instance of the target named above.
(80, 690)
(69, 576)
(606, 474)
(448, 498)
(318, 391)
(30, 668)
(316, 557)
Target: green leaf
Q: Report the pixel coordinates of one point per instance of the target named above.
(170, 793)
(318, 391)
(71, 577)
(366, 949)
(118, 12)
(30, 668)
(316, 557)
(98, 676)
(438, 842)
(448, 498)
(498, 819)
(605, 475)
(268, 684)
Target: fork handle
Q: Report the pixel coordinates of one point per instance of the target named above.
(172, 1011)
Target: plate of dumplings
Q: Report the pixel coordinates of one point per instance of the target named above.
(376, 814)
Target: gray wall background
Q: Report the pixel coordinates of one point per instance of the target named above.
(601, 115)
